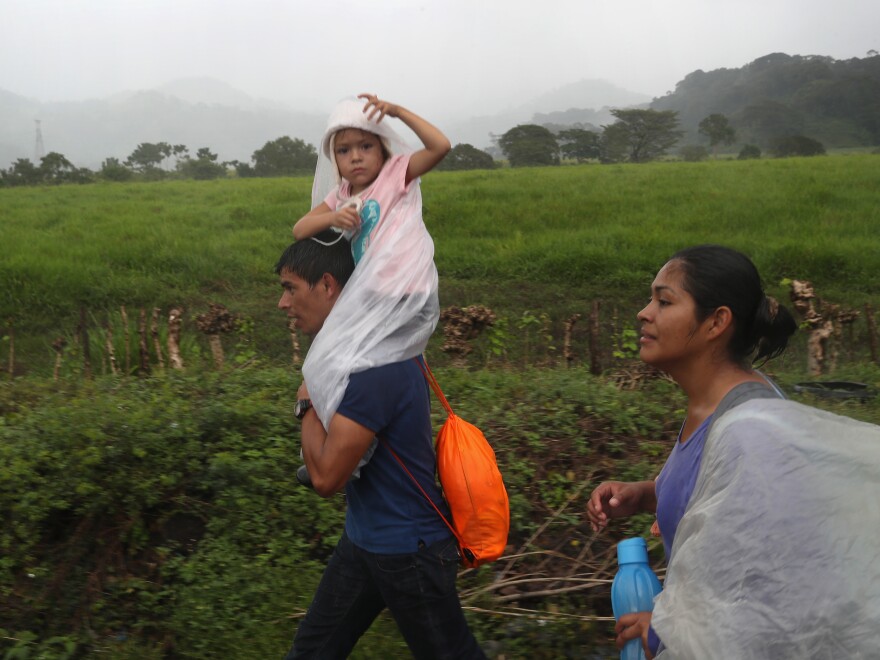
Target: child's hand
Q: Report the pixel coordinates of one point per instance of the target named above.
(374, 105)
(346, 218)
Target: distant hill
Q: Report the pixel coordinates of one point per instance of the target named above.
(584, 102)
(203, 112)
(834, 101)
(200, 113)
(215, 92)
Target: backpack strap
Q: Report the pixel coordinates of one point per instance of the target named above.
(429, 376)
(421, 490)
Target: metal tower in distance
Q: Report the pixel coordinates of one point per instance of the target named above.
(39, 149)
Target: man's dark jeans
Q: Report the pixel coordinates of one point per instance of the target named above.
(418, 589)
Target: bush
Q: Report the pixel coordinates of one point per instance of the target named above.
(693, 153)
(749, 151)
(159, 511)
(467, 157)
(113, 170)
(796, 145)
(160, 518)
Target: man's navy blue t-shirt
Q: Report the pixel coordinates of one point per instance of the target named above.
(387, 514)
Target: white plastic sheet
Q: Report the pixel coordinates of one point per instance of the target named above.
(778, 553)
(389, 308)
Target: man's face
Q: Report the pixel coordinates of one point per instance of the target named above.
(308, 306)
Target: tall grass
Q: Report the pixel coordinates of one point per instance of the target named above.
(613, 226)
(533, 238)
(140, 244)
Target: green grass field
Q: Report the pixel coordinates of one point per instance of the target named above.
(536, 239)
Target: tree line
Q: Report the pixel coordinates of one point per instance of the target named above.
(149, 161)
(638, 136)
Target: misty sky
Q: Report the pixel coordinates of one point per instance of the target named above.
(438, 57)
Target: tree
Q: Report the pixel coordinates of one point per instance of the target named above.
(203, 167)
(55, 168)
(180, 152)
(718, 130)
(796, 145)
(639, 136)
(580, 144)
(529, 144)
(113, 170)
(769, 120)
(466, 157)
(693, 153)
(749, 151)
(284, 157)
(243, 170)
(147, 157)
(22, 173)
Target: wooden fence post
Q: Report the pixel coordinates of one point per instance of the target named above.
(11, 350)
(154, 331)
(127, 335)
(84, 342)
(58, 345)
(144, 366)
(595, 365)
(111, 353)
(567, 353)
(872, 334)
(294, 339)
(175, 316)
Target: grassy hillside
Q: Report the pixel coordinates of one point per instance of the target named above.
(549, 239)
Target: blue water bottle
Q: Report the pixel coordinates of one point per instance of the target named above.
(633, 588)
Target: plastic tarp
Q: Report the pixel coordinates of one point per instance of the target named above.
(389, 308)
(778, 553)
(386, 312)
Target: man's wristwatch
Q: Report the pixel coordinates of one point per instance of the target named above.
(302, 407)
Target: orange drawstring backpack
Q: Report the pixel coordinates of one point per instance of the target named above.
(472, 485)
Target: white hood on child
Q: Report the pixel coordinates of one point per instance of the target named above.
(349, 113)
(389, 307)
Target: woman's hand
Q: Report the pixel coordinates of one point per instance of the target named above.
(634, 626)
(375, 106)
(619, 499)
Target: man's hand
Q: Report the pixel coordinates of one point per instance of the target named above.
(303, 391)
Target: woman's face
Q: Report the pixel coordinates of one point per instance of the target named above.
(669, 321)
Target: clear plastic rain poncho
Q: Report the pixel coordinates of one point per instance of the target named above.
(778, 553)
(389, 308)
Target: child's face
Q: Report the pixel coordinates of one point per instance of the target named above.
(359, 157)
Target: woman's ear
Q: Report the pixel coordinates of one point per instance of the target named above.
(719, 321)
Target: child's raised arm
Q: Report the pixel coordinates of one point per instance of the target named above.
(323, 217)
(436, 144)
